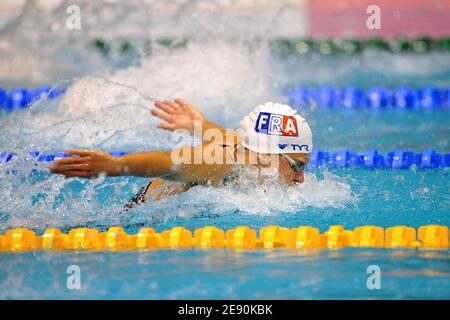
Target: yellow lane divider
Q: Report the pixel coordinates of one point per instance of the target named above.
(116, 239)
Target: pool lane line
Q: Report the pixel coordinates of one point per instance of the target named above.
(371, 159)
(242, 237)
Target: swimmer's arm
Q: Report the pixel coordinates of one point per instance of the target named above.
(187, 164)
(217, 134)
(202, 169)
(92, 163)
(144, 164)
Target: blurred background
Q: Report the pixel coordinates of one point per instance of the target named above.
(37, 46)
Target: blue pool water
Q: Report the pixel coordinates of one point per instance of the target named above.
(219, 274)
(106, 107)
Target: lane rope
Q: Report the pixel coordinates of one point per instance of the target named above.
(20, 98)
(372, 159)
(242, 237)
(351, 97)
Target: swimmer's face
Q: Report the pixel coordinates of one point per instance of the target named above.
(285, 171)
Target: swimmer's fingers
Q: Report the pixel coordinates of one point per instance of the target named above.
(71, 160)
(81, 153)
(166, 106)
(88, 155)
(83, 170)
(184, 105)
(161, 115)
(59, 165)
(188, 108)
(73, 172)
(90, 163)
(181, 102)
(75, 167)
(57, 168)
(172, 105)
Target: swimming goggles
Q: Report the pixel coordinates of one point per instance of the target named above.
(296, 165)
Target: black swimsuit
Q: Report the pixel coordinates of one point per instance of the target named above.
(138, 198)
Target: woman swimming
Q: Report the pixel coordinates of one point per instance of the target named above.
(273, 140)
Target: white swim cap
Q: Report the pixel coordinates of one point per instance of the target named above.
(275, 128)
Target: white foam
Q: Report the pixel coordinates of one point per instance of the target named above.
(329, 191)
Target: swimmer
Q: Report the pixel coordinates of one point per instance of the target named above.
(273, 140)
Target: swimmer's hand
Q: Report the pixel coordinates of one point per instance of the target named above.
(182, 115)
(177, 115)
(86, 164)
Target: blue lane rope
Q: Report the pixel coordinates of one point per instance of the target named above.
(397, 159)
(20, 98)
(376, 98)
(428, 97)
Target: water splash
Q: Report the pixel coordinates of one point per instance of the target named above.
(249, 198)
(111, 110)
